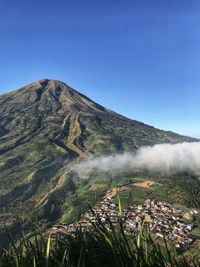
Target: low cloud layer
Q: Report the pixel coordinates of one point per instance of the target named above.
(163, 158)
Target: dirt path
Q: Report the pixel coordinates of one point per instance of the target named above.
(111, 192)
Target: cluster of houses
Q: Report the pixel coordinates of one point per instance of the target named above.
(163, 219)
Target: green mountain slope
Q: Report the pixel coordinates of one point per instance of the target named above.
(46, 127)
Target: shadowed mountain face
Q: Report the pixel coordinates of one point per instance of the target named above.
(46, 127)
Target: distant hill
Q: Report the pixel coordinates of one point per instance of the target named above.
(45, 127)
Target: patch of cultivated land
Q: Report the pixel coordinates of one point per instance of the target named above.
(111, 193)
(145, 184)
(139, 189)
(94, 187)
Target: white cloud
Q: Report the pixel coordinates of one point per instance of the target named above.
(164, 158)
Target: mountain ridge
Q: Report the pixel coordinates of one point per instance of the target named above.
(57, 83)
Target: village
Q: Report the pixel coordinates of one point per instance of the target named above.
(163, 220)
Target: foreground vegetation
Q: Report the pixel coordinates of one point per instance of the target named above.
(105, 246)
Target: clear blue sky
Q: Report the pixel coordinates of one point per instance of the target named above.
(140, 58)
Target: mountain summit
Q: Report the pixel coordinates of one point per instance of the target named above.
(47, 126)
(50, 120)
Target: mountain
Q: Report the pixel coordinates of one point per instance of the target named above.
(46, 127)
